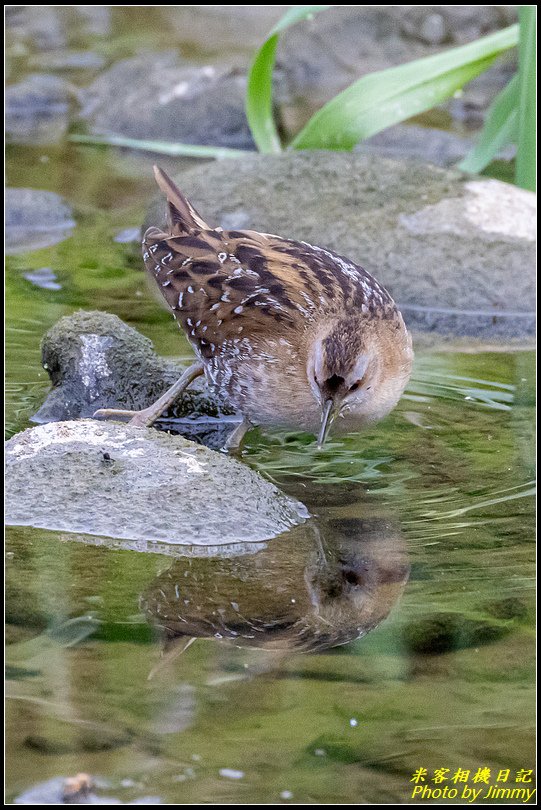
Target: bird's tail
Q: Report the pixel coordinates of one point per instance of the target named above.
(184, 218)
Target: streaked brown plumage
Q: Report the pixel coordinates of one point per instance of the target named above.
(291, 334)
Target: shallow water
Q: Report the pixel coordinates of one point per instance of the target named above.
(422, 541)
(441, 488)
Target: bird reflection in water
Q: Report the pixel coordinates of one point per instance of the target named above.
(319, 586)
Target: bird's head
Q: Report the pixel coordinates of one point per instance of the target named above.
(358, 368)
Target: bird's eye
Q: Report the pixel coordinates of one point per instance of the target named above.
(357, 384)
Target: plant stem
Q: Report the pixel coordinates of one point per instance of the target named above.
(525, 170)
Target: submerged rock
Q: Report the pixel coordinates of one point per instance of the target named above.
(139, 486)
(510, 607)
(444, 632)
(96, 361)
(35, 219)
(456, 252)
(58, 740)
(154, 97)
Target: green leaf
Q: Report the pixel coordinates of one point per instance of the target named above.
(500, 128)
(161, 147)
(259, 89)
(387, 97)
(526, 158)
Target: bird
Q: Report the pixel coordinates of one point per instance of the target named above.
(291, 334)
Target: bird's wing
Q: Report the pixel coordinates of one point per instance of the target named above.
(183, 218)
(221, 284)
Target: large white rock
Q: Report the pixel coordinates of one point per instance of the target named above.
(139, 486)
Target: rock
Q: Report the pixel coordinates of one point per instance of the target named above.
(455, 25)
(433, 29)
(62, 791)
(468, 107)
(214, 30)
(156, 97)
(35, 219)
(67, 60)
(96, 361)
(411, 141)
(457, 252)
(55, 26)
(37, 110)
(139, 486)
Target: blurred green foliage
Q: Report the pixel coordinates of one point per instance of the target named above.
(387, 97)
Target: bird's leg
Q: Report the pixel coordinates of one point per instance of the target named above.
(234, 440)
(148, 416)
(172, 651)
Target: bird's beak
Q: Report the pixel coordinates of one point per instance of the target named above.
(327, 418)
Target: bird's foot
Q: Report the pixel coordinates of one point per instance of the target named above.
(148, 416)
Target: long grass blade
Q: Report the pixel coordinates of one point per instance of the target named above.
(381, 99)
(500, 129)
(161, 147)
(525, 168)
(259, 90)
